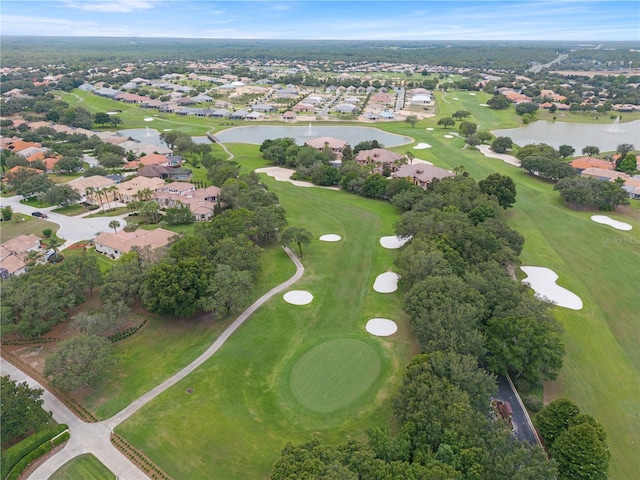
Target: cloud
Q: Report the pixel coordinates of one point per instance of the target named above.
(112, 6)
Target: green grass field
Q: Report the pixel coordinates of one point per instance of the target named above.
(165, 345)
(84, 467)
(244, 406)
(333, 374)
(243, 409)
(21, 224)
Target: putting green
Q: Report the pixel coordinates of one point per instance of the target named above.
(333, 374)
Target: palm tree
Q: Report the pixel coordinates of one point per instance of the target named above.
(99, 193)
(114, 224)
(88, 193)
(410, 156)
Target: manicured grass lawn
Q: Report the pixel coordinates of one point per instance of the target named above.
(34, 202)
(165, 345)
(24, 225)
(84, 467)
(63, 177)
(114, 212)
(333, 374)
(71, 210)
(105, 263)
(243, 409)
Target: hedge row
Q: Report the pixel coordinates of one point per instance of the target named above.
(142, 461)
(126, 333)
(31, 341)
(15, 454)
(76, 407)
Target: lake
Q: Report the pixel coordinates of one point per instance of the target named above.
(257, 134)
(578, 135)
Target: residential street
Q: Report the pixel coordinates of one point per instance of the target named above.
(523, 428)
(72, 229)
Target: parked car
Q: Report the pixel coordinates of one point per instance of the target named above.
(40, 215)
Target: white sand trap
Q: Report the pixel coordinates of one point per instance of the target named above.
(284, 175)
(112, 113)
(422, 146)
(148, 119)
(386, 282)
(448, 136)
(484, 104)
(611, 222)
(430, 128)
(381, 327)
(456, 98)
(543, 281)
(393, 242)
(331, 237)
(166, 130)
(298, 297)
(472, 94)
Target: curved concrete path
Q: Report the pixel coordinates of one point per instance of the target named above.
(94, 437)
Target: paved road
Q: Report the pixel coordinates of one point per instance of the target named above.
(521, 421)
(94, 437)
(72, 229)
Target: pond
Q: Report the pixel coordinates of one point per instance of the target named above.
(578, 135)
(257, 134)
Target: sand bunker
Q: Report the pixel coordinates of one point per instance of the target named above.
(393, 242)
(430, 128)
(422, 146)
(330, 238)
(472, 94)
(148, 119)
(456, 98)
(611, 222)
(112, 113)
(386, 282)
(166, 130)
(284, 175)
(543, 281)
(298, 297)
(484, 104)
(448, 136)
(381, 327)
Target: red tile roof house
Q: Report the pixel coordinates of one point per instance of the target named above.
(603, 174)
(289, 116)
(201, 202)
(378, 157)
(583, 163)
(422, 174)
(13, 254)
(335, 144)
(115, 244)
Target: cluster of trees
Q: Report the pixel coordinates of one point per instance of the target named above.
(583, 193)
(34, 302)
(84, 54)
(21, 409)
(473, 321)
(576, 441)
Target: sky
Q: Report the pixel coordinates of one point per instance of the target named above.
(575, 20)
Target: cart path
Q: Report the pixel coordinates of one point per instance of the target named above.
(94, 437)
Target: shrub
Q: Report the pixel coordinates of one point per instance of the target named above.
(17, 452)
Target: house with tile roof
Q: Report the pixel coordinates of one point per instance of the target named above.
(422, 174)
(13, 254)
(583, 163)
(128, 191)
(115, 244)
(379, 157)
(335, 144)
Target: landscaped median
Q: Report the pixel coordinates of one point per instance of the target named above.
(17, 458)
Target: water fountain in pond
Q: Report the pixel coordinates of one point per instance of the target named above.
(615, 128)
(310, 131)
(148, 134)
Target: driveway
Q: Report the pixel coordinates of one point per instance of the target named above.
(522, 423)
